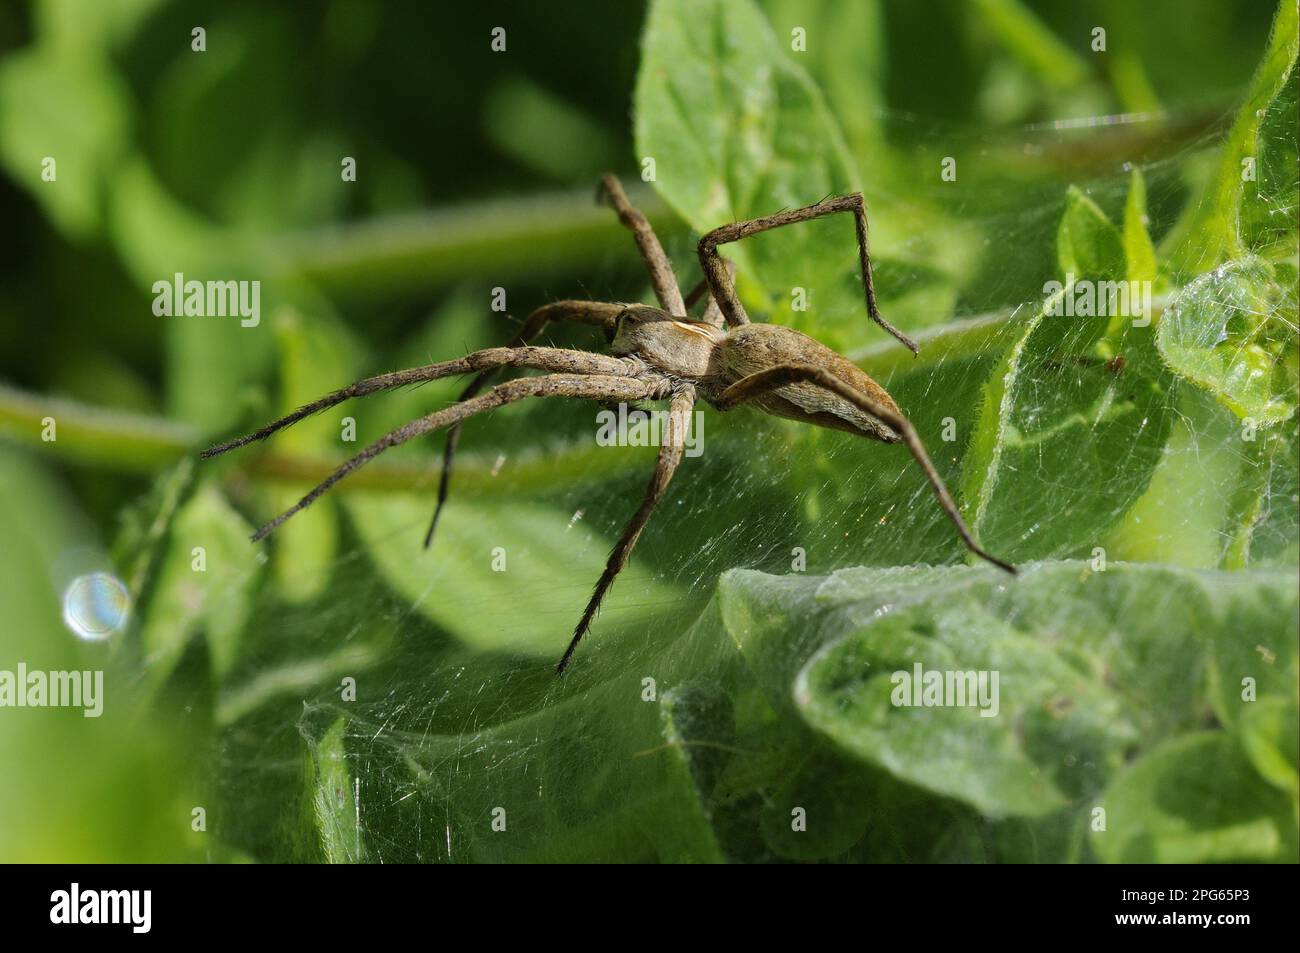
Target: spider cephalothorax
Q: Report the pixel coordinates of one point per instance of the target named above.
(660, 354)
(674, 346)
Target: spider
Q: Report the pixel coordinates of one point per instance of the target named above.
(659, 354)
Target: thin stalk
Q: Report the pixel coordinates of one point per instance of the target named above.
(510, 238)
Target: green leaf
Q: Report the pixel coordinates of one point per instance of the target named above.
(602, 772)
(1269, 200)
(1092, 667)
(335, 798)
(1139, 253)
(846, 53)
(1083, 393)
(1190, 514)
(71, 109)
(1268, 733)
(316, 356)
(1067, 440)
(818, 811)
(205, 582)
(1088, 245)
(738, 130)
(758, 732)
(1168, 808)
(1270, 529)
(848, 693)
(725, 114)
(693, 718)
(490, 577)
(1233, 333)
(1208, 234)
(1263, 665)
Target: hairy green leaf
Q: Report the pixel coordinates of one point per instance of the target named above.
(1092, 667)
(1168, 808)
(1233, 332)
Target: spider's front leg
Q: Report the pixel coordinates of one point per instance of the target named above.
(670, 455)
(783, 375)
(596, 313)
(724, 288)
(712, 311)
(537, 358)
(588, 386)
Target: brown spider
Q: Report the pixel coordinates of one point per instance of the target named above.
(659, 354)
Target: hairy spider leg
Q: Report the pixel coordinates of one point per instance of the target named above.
(712, 312)
(723, 287)
(589, 387)
(666, 291)
(759, 383)
(670, 455)
(652, 252)
(537, 358)
(597, 313)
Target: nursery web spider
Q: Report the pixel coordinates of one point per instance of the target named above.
(660, 354)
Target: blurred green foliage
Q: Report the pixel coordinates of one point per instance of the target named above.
(475, 170)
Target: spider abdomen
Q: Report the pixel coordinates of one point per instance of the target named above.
(756, 347)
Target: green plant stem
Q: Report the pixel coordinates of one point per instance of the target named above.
(965, 337)
(138, 443)
(1028, 39)
(957, 339)
(507, 239)
(99, 436)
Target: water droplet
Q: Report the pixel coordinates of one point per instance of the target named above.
(95, 606)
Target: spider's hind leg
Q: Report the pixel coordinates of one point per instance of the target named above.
(782, 375)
